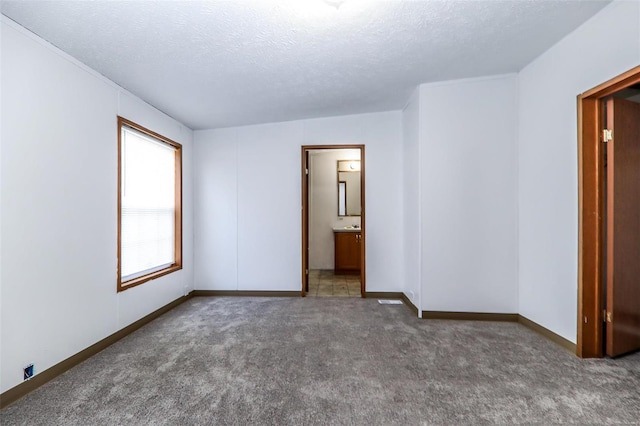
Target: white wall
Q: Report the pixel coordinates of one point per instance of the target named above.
(603, 47)
(469, 195)
(58, 212)
(411, 198)
(248, 201)
(216, 209)
(1, 204)
(323, 204)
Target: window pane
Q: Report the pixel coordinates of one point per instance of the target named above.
(148, 204)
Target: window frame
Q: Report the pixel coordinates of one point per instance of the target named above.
(177, 264)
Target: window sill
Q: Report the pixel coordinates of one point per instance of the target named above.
(122, 286)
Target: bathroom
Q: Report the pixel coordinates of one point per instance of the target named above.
(335, 226)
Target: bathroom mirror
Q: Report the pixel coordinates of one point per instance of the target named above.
(349, 188)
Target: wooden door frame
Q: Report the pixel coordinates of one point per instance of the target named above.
(591, 206)
(305, 211)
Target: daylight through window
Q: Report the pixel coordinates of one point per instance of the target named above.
(149, 205)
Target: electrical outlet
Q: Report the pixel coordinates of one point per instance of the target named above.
(28, 372)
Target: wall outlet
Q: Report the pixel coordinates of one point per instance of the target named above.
(28, 371)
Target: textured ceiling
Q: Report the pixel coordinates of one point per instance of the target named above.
(225, 63)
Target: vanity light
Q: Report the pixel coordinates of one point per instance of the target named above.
(354, 166)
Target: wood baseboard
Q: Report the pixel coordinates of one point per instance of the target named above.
(469, 316)
(409, 304)
(52, 372)
(382, 295)
(568, 345)
(480, 316)
(17, 392)
(243, 293)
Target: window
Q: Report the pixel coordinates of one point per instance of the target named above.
(149, 205)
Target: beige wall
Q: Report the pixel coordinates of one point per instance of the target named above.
(323, 205)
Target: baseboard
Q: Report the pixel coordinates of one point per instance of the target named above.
(568, 345)
(382, 295)
(481, 316)
(52, 372)
(409, 304)
(243, 293)
(469, 316)
(17, 392)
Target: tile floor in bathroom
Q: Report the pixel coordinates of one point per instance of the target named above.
(325, 283)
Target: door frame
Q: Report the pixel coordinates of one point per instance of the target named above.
(305, 212)
(591, 204)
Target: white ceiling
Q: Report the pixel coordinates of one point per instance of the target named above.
(224, 63)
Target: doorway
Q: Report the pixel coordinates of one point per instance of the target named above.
(333, 221)
(609, 218)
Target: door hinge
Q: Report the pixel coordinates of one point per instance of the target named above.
(306, 271)
(607, 135)
(608, 316)
(306, 171)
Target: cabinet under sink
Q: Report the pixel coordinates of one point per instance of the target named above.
(347, 250)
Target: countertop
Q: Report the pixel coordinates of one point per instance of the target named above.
(343, 229)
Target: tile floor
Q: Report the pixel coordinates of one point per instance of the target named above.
(324, 283)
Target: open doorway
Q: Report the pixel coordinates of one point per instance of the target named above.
(609, 222)
(333, 221)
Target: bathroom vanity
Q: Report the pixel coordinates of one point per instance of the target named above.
(347, 250)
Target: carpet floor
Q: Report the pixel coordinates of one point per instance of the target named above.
(295, 361)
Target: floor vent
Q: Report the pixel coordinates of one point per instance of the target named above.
(390, 302)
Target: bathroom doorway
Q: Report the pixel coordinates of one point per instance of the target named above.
(333, 221)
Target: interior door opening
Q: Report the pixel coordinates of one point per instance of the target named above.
(333, 221)
(609, 218)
